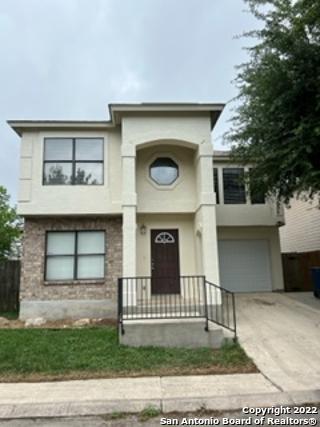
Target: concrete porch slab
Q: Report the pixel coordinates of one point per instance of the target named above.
(171, 333)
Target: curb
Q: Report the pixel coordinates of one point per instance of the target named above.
(165, 405)
(238, 402)
(73, 409)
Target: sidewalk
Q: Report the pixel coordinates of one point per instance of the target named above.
(168, 394)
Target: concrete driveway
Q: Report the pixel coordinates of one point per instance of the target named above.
(281, 333)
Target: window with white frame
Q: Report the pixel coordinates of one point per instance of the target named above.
(73, 161)
(75, 255)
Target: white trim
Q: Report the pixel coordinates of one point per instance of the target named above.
(164, 237)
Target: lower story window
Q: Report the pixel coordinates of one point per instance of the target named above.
(75, 255)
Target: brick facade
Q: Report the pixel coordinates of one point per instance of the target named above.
(33, 285)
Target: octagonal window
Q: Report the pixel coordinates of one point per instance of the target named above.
(164, 171)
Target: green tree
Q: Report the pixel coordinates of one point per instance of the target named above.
(276, 123)
(10, 224)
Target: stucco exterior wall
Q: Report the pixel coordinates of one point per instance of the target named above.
(271, 234)
(145, 128)
(34, 198)
(302, 230)
(181, 196)
(182, 132)
(248, 214)
(33, 287)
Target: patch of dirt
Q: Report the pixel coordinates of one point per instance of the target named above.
(13, 324)
(58, 324)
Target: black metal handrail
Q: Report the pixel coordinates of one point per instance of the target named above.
(195, 297)
(221, 307)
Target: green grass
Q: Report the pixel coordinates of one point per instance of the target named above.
(10, 315)
(35, 354)
(149, 412)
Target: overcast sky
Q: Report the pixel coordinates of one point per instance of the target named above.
(67, 59)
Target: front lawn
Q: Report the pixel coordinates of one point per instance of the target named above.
(52, 354)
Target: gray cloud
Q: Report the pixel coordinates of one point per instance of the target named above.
(68, 59)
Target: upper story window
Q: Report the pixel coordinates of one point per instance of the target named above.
(233, 186)
(73, 161)
(256, 195)
(164, 171)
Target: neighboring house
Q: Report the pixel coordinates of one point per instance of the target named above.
(134, 197)
(302, 230)
(300, 243)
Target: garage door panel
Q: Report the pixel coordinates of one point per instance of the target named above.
(245, 265)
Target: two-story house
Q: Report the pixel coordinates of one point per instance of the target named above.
(141, 196)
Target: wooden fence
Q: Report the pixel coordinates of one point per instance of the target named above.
(9, 285)
(297, 270)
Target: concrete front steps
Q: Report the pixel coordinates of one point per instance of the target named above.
(184, 333)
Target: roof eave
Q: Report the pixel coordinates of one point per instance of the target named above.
(115, 113)
(116, 110)
(19, 126)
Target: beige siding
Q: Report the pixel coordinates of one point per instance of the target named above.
(302, 230)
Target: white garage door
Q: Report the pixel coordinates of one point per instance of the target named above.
(245, 265)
